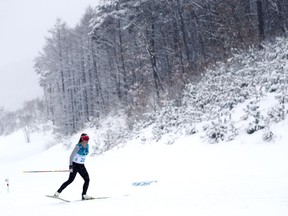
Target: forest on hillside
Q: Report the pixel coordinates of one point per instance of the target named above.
(135, 55)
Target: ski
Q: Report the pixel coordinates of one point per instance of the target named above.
(59, 198)
(93, 198)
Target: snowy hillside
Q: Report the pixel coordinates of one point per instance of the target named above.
(246, 94)
(244, 174)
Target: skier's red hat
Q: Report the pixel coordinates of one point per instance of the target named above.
(86, 138)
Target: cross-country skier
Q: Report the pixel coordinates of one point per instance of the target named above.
(76, 165)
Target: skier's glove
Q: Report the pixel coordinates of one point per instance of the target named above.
(70, 168)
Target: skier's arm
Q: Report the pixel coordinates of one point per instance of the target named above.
(75, 150)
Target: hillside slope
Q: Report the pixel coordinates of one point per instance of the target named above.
(230, 99)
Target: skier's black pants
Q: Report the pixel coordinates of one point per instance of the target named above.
(77, 168)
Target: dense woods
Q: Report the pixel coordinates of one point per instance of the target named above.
(134, 55)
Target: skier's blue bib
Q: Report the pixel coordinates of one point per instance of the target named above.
(81, 154)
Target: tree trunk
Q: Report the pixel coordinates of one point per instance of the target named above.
(261, 33)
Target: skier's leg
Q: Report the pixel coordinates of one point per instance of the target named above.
(70, 179)
(84, 174)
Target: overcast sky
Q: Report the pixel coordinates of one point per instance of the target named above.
(24, 25)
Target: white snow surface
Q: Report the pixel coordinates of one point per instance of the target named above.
(244, 177)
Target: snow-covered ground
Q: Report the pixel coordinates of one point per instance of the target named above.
(244, 177)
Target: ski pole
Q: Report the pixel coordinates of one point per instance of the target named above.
(44, 171)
